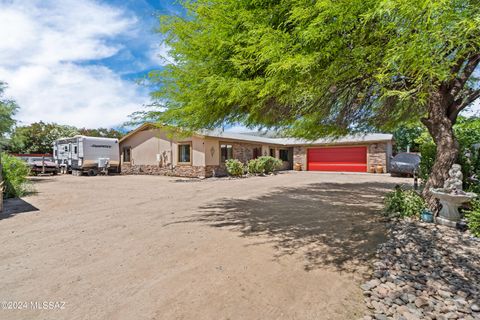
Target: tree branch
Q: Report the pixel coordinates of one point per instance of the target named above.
(462, 103)
(459, 81)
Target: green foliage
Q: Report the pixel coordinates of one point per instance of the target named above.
(313, 67)
(467, 131)
(406, 136)
(269, 164)
(101, 132)
(403, 203)
(473, 217)
(38, 137)
(255, 166)
(235, 168)
(428, 153)
(8, 108)
(14, 173)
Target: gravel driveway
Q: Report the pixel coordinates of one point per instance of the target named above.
(291, 246)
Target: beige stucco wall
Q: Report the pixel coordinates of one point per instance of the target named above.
(155, 147)
(212, 152)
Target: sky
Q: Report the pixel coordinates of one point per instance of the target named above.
(78, 62)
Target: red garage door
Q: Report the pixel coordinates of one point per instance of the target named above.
(351, 159)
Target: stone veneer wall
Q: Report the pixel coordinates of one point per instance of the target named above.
(215, 171)
(377, 154)
(244, 151)
(300, 156)
(179, 171)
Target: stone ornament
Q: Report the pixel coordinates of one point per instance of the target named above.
(451, 197)
(455, 181)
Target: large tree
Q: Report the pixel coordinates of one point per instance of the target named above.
(323, 67)
(38, 137)
(101, 132)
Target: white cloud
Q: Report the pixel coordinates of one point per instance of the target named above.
(160, 55)
(42, 53)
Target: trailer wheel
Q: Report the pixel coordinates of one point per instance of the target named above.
(92, 172)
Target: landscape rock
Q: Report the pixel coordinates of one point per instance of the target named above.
(425, 271)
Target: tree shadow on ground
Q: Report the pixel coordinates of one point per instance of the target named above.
(15, 206)
(332, 224)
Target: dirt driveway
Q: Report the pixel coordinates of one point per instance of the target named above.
(291, 246)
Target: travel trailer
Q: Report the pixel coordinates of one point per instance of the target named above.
(90, 155)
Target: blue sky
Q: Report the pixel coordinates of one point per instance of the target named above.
(77, 61)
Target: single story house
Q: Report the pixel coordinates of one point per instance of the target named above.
(152, 149)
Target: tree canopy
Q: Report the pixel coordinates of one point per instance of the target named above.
(38, 137)
(317, 67)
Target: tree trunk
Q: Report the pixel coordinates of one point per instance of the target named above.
(440, 125)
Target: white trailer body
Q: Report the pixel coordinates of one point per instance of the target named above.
(87, 154)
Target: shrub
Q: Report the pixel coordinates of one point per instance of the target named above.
(235, 167)
(473, 217)
(403, 203)
(15, 173)
(255, 166)
(269, 164)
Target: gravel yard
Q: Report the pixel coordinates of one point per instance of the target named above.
(425, 271)
(291, 246)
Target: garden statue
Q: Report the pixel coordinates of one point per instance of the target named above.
(451, 196)
(455, 181)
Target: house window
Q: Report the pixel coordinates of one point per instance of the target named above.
(272, 152)
(283, 155)
(226, 152)
(184, 153)
(126, 154)
(257, 152)
(75, 149)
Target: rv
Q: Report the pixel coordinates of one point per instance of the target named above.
(91, 155)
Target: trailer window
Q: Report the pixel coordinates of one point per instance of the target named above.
(184, 153)
(126, 154)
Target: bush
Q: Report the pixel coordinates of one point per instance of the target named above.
(473, 217)
(269, 164)
(235, 167)
(403, 203)
(255, 166)
(15, 173)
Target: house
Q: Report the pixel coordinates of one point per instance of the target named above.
(152, 149)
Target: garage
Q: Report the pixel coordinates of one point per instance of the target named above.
(348, 159)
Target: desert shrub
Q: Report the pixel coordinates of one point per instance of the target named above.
(255, 166)
(473, 217)
(15, 173)
(269, 164)
(235, 167)
(403, 203)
